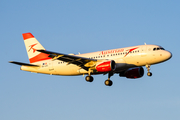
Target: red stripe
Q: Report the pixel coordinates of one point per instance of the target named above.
(132, 49)
(27, 36)
(39, 57)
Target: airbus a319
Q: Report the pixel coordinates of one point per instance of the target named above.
(127, 62)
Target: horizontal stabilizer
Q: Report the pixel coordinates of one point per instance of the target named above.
(25, 64)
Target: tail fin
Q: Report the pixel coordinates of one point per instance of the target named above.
(32, 45)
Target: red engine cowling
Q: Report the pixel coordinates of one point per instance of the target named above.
(106, 66)
(133, 73)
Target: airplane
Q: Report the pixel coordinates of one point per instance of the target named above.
(127, 62)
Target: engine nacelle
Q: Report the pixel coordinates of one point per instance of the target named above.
(133, 73)
(106, 66)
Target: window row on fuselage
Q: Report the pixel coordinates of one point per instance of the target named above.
(108, 55)
(115, 54)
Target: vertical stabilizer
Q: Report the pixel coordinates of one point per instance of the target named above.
(32, 45)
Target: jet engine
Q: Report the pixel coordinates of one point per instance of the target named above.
(106, 66)
(133, 73)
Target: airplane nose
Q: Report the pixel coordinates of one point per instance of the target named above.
(168, 55)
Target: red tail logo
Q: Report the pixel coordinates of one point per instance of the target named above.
(31, 47)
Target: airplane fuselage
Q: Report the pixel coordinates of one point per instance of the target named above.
(127, 62)
(124, 58)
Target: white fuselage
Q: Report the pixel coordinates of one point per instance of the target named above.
(124, 58)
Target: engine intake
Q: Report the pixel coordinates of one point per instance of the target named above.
(106, 66)
(133, 73)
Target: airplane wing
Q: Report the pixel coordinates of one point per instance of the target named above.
(25, 64)
(82, 62)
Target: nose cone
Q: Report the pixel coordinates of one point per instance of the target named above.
(168, 55)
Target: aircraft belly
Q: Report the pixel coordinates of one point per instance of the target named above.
(36, 70)
(57, 70)
(67, 70)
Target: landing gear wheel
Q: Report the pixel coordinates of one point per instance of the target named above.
(108, 82)
(149, 74)
(89, 78)
(148, 69)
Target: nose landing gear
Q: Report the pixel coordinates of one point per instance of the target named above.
(148, 69)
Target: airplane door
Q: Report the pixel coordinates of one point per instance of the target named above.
(143, 48)
(143, 51)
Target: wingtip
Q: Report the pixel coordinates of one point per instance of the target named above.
(27, 36)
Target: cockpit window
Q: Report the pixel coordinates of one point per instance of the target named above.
(158, 48)
(162, 48)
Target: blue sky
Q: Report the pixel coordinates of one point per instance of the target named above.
(86, 26)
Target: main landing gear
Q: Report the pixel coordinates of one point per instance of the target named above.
(148, 69)
(89, 78)
(108, 82)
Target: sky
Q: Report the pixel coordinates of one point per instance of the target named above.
(74, 26)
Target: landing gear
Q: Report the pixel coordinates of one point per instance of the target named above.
(148, 69)
(89, 78)
(108, 82)
(149, 74)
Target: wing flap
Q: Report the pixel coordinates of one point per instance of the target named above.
(67, 58)
(70, 59)
(64, 56)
